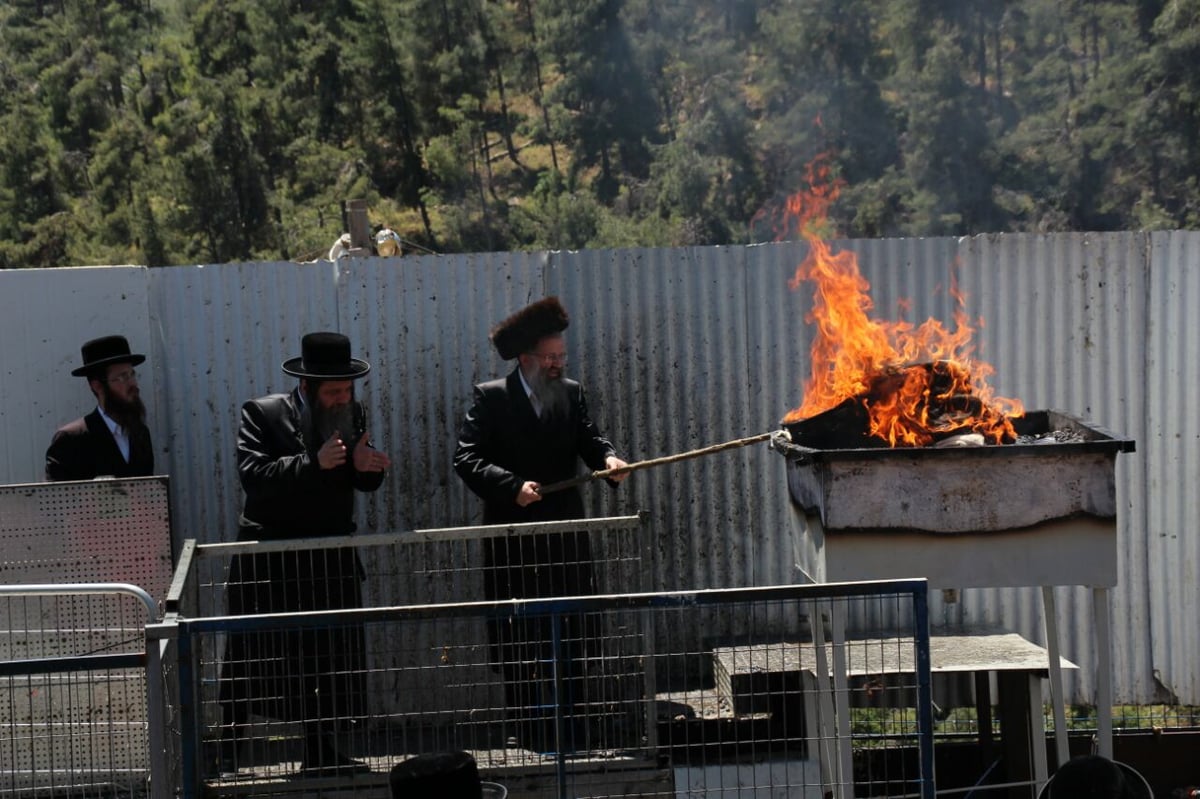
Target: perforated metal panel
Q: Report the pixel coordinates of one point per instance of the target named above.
(102, 531)
(79, 720)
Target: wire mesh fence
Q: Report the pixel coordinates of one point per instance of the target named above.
(600, 692)
(81, 558)
(323, 664)
(73, 690)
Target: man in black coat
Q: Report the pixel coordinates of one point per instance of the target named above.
(522, 431)
(112, 440)
(301, 457)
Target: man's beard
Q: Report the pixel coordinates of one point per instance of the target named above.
(324, 422)
(551, 393)
(130, 414)
(339, 419)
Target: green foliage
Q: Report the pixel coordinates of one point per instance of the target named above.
(31, 201)
(869, 722)
(216, 130)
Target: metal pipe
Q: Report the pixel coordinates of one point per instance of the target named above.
(66, 589)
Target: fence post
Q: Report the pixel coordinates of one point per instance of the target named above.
(924, 688)
(156, 714)
(358, 227)
(189, 716)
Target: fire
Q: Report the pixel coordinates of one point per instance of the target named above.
(918, 384)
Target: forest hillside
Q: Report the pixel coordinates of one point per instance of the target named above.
(207, 131)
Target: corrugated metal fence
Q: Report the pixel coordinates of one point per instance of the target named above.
(678, 349)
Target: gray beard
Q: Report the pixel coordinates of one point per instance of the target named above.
(324, 423)
(552, 394)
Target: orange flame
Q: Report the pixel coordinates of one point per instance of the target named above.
(918, 384)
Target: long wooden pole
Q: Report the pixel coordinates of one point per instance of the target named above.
(550, 488)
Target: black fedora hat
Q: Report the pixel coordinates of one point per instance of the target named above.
(100, 352)
(1096, 776)
(326, 356)
(445, 775)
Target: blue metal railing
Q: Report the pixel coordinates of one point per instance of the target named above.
(191, 631)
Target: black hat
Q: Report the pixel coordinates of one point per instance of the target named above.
(326, 356)
(1096, 776)
(445, 775)
(522, 331)
(100, 352)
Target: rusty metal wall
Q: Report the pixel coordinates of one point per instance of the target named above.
(422, 323)
(223, 331)
(679, 349)
(1165, 570)
(45, 316)
(1068, 323)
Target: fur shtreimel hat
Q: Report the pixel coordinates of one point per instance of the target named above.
(522, 331)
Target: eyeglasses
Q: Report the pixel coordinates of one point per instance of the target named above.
(124, 377)
(552, 358)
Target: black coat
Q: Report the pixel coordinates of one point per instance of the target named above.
(85, 448)
(502, 443)
(294, 674)
(288, 494)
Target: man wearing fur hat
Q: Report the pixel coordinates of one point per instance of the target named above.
(301, 458)
(522, 431)
(112, 440)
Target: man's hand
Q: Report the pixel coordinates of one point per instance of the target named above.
(368, 459)
(332, 453)
(528, 493)
(613, 462)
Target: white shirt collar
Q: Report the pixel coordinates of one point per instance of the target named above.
(119, 434)
(524, 382)
(113, 427)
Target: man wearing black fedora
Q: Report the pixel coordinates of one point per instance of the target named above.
(301, 458)
(1095, 777)
(521, 432)
(112, 440)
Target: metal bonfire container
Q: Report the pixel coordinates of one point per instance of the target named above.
(993, 516)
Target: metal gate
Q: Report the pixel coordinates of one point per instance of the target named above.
(561, 696)
(81, 698)
(74, 689)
